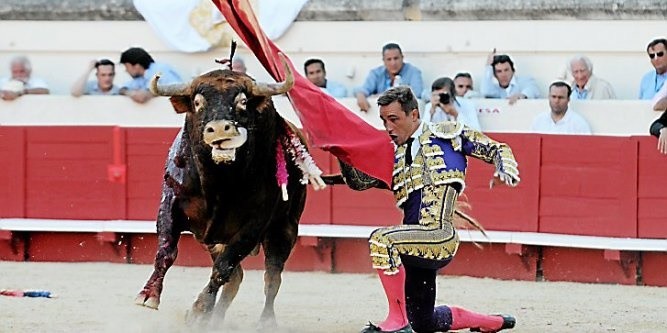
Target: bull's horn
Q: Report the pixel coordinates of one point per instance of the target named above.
(178, 89)
(270, 89)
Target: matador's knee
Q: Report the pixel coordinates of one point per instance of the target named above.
(384, 254)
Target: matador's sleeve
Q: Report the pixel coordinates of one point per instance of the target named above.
(358, 180)
(480, 146)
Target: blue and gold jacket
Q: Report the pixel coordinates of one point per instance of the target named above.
(441, 160)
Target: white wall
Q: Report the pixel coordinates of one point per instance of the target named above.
(618, 118)
(60, 51)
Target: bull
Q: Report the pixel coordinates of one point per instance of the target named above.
(222, 183)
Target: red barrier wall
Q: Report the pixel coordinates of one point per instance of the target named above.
(651, 190)
(318, 203)
(12, 177)
(493, 260)
(604, 186)
(588, 186)
(566, 264)
(147, 150)
(503, 208)
(66, 173)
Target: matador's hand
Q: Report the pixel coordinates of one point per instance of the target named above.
(662, 141)
(500, 178)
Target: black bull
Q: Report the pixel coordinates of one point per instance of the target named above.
(220, 183)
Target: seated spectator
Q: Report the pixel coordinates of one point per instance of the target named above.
(141, 67)
(105, 73)
(500, 80)
(660, 99)
(445, 105)
(238, 65)
(585, 84)
(659, 130)
(394, 72)
(561, 119)
(317, 75)
(464, 86)
(21, 81)
(654, 79)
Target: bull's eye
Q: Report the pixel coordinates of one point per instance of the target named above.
(199, 102)
(241, 102)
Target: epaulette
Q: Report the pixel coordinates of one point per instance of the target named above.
(446, 129)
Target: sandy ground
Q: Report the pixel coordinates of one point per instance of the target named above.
(98, 297)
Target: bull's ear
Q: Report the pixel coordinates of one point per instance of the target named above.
(181, 104)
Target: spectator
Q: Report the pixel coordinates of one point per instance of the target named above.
(452, 108)
(585, 84)
(660, 99)
(21, 81)
(500, 80)
(238, 65)
(317, 75)
(141, 67)
(105, 73)
(464, 86)
(659, 130)
(655, 79)
(561, 119)
(394, 72)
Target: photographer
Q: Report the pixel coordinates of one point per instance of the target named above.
(445, 106)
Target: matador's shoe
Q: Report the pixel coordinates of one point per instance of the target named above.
(508, 322)
(370, 328)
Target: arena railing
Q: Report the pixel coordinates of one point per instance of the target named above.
(618, 118)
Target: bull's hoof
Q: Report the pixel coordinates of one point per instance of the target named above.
(151, 302)
(201, 310)
(196, 319)
(267, 324)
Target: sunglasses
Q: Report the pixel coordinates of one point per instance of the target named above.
(657, 54)
(463, 86)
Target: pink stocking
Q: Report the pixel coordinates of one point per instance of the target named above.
(394, 288)
(462, 318)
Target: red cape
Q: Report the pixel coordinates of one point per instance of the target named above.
(329, 124)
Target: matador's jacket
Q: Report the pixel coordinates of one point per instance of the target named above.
(427, 189)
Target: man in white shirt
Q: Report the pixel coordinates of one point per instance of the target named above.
(561, 119)
(21, 82)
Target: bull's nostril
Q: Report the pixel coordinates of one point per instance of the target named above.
(227, 128)
(210, 130)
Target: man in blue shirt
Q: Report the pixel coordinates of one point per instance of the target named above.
(141, 67)
(393, 73)
(654, 80)
(105, 72)
(500, 80)
(317, 75)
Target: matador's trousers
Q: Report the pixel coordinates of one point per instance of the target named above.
(424, 244)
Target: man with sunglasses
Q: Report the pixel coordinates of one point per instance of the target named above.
(653, 81)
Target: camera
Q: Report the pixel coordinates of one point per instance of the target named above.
(444, 98)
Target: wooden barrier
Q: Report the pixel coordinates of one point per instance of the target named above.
(595, 197)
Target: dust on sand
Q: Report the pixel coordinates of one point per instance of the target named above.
(98, 297)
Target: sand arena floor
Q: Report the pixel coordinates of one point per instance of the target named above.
(98, 297)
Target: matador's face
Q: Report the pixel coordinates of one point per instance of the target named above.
(399, 125)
